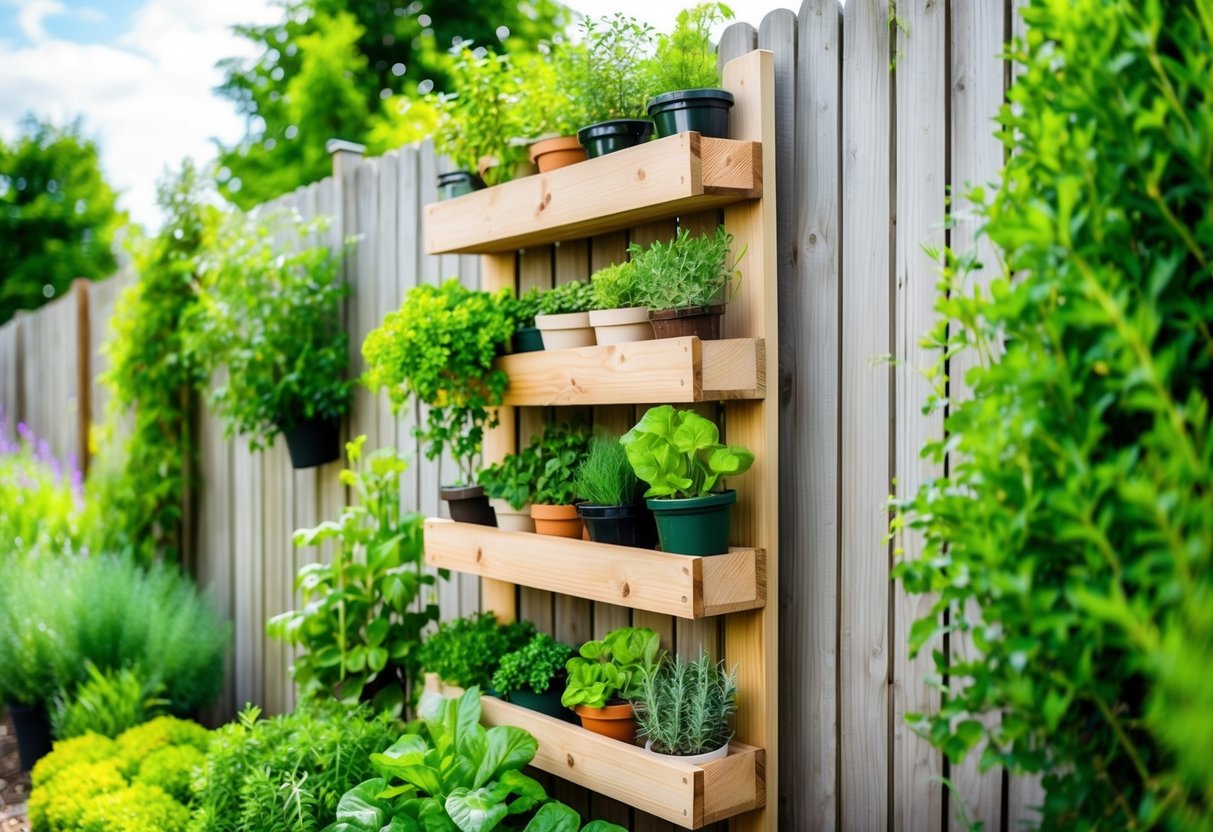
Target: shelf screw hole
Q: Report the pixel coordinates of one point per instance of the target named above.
(570, 761)
(479, 554)
(627, 590)
(640, 174)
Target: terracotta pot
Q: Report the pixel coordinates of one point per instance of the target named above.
(618, 326)
(511, 519)
(615, 721)
(559, 521)
(700, 321)
(562, 332)
(560, 152)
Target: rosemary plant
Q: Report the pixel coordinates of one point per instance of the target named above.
(684, 706)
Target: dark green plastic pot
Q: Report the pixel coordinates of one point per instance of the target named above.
(547, 703)
(696, 525)
(621, 525)
(33, 729)
(704, 111)
(618, 134)
(313, 442)
(527, 339)
(457, 183)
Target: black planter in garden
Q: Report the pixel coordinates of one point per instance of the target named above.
(547, 702)
(618, 134)
(630, 525)
(705, 111)
(696, 525)
(527, 339)
(33, 729)
(314, 442)
(469, 504)
(457, 183)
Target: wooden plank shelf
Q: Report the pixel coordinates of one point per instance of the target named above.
(680, 585)
(686, 795)
(663, 371)
(657, 180)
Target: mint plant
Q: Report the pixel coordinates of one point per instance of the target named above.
(679, 454)
(534, 667)
(514, 478)
(466, 651)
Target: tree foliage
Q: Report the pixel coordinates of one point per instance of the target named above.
(57, 215)
(1077, 513)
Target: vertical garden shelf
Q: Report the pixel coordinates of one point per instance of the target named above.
(678, 177)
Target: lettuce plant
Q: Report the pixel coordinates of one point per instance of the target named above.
(611, 668)
(679, 454)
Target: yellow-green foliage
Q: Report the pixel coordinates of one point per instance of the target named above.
(138, 743)
(172, 769)
(86, 748)
(137, 808)
(59, 805)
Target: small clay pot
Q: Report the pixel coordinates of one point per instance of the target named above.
(701, 321)
(562, 332)
(558, 521)
(615, 721)
(511, 519)
(618, 326)
(559, 152)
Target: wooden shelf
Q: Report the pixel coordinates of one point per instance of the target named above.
(658, 180)
(686, 795)
(679, 585)
(663, 371)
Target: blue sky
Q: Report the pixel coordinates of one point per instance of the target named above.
(141, 74)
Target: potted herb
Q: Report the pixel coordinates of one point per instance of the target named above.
(684, 69)
(684, 282)
(683, 709)
(359, 627)
(267, 313)
(439, 346)
(608, 486)
(510, 487)
(527, 337)
(477, 119)
(553, 111)
(605, 674)
(617, 317)
(611, 78)
(533, 677)
(563, 318)
(466, 651)
(561, 450)
(679, 454)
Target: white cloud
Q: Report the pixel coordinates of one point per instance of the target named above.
(32, 13)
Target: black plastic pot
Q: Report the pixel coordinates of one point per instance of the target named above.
(469, 504)
(33, 729)
(527, 339)
(547, 702)
(618, 134)
(704, 111)
(314, 442)
(696, 525)
(622, 525)
(457, 183)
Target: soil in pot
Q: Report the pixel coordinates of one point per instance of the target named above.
(617, 134)
(313, 442)
(615, 721)
(562, 332)
(559, 152)
(701, 321)
(33, 729)
(694, 526)
(631, 525)
(558, 521)
(510, 518)
(618, 326)
(706, 111)
(468, 504)
(527, 339)
(457, 183)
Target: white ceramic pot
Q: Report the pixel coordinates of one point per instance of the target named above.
(695, 759)
(562, 332)
(511, 519)
(618, 326)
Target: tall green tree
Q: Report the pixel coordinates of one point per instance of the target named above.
(57, 215)
(327, 68)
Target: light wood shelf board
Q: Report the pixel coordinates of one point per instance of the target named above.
(666, 370)
(641, 579)
(657, 180)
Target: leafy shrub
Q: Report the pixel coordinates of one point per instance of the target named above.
(614, 286)
(172, 768)
(140, 742)
(605, 477)
(59, 803)
(513, 479)
(86, 748)
(552, 106)
(466, 651)
(561, 450)
(533, 667)
(481, 114)
(525, 307)
(611, 668)
(683, 706)
(136, 808)
(573, 296)
(685, 59)
(267, 311)
(690, 270)
(611, 74)
(287, 773)
(359, 627)
(1075, 514)
(107, 704)
(40, 500)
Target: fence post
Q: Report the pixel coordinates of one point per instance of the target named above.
(84, 375)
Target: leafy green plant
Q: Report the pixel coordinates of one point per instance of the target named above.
(288, 773)
(533, 667)
(690, 270)
(526, 307)
(439, 346)
(611, 668)
(267, 312)
(466, 651)
(173, 769)
(611, 75)
(679, 454)
(481, 114)
(513, 479)
(574, 296)
(107, 704)
(614, 286)
(605, 477)
(40, 501)
(550, 106)
(561, 449)
(454, 774)
(685, 58)
(1070, 539)
(684, 705)
(360, 626)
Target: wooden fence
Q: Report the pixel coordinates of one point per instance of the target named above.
(878, 121)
